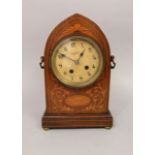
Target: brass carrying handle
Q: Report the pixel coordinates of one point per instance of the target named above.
(112, 62)
(42, 65)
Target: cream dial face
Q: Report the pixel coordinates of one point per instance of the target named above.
(77, 61)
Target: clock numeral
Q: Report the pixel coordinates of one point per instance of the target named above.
(89, 49)
(93, 66)
(82, 45)
(94, 57)
(65, 73)
(80, 77)
(60, 65)
(65, 48)
(89, 74)
(73, 44)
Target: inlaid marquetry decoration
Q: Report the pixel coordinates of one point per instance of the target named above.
(77, 65)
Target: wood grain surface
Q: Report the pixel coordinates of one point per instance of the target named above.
(85, 107)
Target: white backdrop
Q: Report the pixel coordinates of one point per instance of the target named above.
(115, 18)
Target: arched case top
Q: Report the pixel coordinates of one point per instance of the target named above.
(77, 25)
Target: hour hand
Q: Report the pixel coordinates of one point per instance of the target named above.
(81, 54)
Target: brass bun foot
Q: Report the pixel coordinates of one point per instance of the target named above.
(45, 129)
(108, 127)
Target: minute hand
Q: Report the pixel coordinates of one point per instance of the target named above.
(63, 55)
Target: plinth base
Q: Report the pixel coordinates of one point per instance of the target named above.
(103, 120)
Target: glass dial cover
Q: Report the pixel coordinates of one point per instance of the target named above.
(77, 61)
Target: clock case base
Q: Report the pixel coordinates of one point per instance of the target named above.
(103, 120)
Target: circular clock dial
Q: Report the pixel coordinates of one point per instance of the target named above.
(77, 61)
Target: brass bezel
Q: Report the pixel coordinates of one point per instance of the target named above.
(77, 84)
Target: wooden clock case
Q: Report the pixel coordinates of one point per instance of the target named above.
(71, 107)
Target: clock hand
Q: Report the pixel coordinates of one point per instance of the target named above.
(63, 55)
(81, 55)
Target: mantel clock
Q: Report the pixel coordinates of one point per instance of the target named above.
(77, 65)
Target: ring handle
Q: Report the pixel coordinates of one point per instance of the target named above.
(42, 65)
(112, 62)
